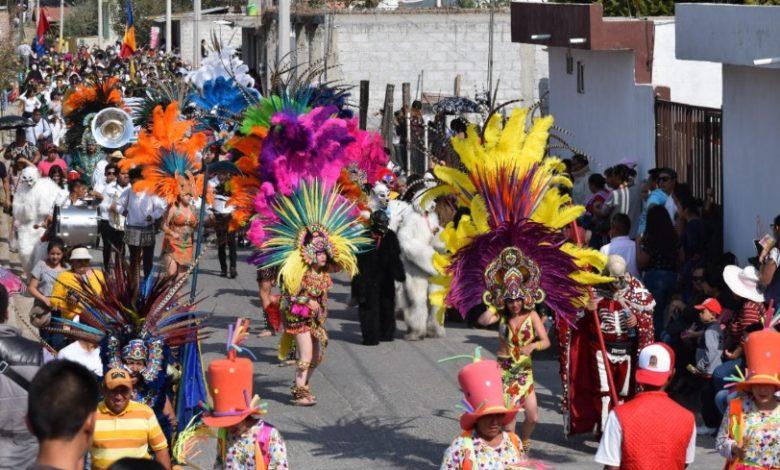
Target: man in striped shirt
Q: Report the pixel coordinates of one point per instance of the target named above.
(125, 428)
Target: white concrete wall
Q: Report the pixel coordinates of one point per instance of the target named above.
(751, 113)
(731, 34)
(614, 118)
(691, 82)
(228, 35)
(395, 47)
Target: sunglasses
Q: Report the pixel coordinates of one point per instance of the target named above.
(664, 179)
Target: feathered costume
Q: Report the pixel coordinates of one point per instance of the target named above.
(142, 326)
(511, 244)
(167, 153)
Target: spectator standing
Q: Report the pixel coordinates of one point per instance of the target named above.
(619, 200)
(43, 277)
(29, 101)
(61, 415)
(21, 359)
(658, 255)
(597, 221)
(708, 357)
(770, 260)
(620, 244)
(52, 159)
(39, 134)
(665, 179)
(580, 173)
(651, 414)
(22, 150)
(125, 428)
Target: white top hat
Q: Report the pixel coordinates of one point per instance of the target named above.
(743, 282)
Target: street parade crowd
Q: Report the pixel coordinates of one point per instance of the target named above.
(620, 272)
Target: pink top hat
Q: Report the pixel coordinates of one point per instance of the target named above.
(483, 393)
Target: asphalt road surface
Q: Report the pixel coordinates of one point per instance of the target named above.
(383, 407)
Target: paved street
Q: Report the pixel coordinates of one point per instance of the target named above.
(391, 406)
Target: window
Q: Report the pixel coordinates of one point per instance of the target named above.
(580, 77)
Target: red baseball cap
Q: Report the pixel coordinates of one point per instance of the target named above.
(655, 364)
(712, 305)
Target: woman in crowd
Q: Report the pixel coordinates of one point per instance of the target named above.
(179, 228)
(62, 298)
(30, 102)
(43, 277)
(658, 255)
(58, 176)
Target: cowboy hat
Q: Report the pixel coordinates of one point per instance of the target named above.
(743, 282)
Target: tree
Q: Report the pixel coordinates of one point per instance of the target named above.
(81, 20)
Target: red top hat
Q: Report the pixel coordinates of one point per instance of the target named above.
(762, 353)
(230, 383)
(483, 391)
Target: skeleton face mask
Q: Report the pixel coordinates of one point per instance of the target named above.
(29, 176)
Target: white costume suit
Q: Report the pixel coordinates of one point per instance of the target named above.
(418, 234)
(34, 200)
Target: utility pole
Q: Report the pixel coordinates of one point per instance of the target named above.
(168, 38)
(491, 27)
(283, 30)
(196, 35)
(100, 24)
(62, 25)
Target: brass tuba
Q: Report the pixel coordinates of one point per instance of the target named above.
(112, 128)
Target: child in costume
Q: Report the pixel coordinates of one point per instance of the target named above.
(749, 436)
(246, 441)
(513, 280)
(317, 231)
(484, 443)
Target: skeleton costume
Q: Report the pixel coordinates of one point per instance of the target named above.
(588, 398)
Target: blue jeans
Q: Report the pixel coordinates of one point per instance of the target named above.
(661, 284)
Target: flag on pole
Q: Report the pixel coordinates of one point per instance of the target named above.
(128, 42)
(39, 44)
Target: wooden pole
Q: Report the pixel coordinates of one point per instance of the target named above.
(387, 118)
(406, 90)
(363, 111)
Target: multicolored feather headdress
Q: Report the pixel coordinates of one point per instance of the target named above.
(167, 153)
(515, 210)
(314, 218)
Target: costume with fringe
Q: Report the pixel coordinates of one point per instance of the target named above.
(142, 325)
(315, 219)
(510, 244)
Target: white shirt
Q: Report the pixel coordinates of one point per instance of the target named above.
(58, 131)
(111, 194)
(625, 248)
(99, 174)
(139, 206)
(671, 207)
(609, 452)
(90, 359)
(30, 104)
(42, 128)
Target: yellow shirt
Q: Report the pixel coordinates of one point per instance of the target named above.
(128, 434)
(67, 281)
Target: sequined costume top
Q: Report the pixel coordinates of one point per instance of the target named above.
(516, 368)
(299, 317)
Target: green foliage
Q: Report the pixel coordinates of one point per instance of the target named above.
(9, 64)
(633, 7)
(81, 20)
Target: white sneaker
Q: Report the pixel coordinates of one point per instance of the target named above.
(705, 431)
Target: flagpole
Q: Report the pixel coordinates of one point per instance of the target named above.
(62, 24)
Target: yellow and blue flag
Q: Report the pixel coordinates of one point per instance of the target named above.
(128, 42)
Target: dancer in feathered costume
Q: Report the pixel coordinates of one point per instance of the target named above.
(509, 252)
(317, 231)
(135, 331)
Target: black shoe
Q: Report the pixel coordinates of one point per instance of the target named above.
(233, 274)
(370, 343)
(388, 338)
(223, 274)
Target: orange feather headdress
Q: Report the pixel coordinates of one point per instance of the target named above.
(167, 155)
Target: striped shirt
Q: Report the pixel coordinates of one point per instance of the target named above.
(128, 434)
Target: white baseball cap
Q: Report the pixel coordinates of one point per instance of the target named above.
(655, 364)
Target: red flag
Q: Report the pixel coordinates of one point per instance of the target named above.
(43, 26)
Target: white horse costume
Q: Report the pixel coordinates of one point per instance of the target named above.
(34, 200)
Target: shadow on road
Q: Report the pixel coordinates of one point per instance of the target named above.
(392, 439)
